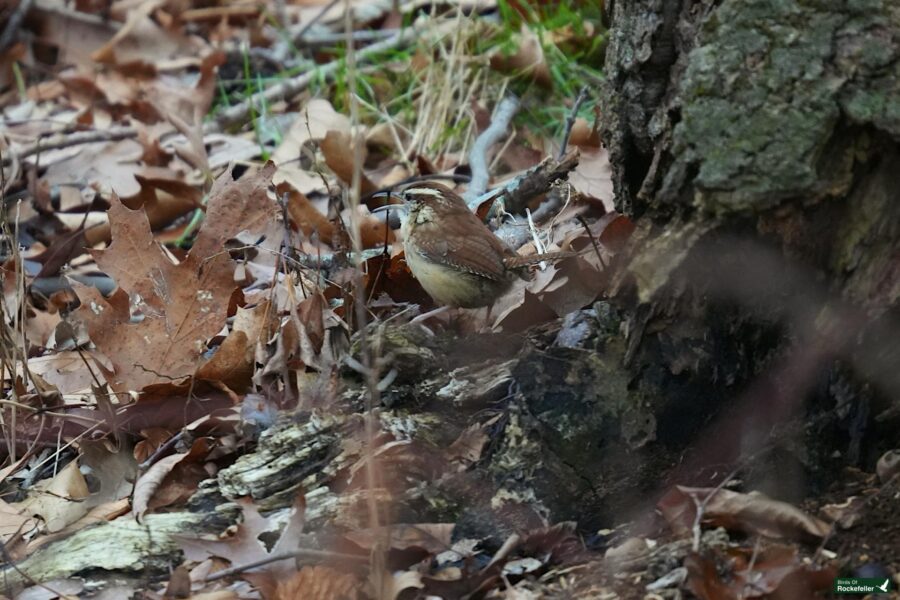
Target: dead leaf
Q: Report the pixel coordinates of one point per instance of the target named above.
(59, 501)
(244, 546)
(111, 166)
(163, 200)
(14, 521)
(775, 572)
(434, 538)
(140, 40)
(181, 305)
(751, 513)
(390, 275)
(888, 466)
(150, 481)
(584, 135)
(318, 583)
(154, 437)
(593, 176)
(110, 472)
(232, 364)
(312, 123)
(98, 514)
(466, 450)
(61, 588)
(311, 314)
(179, 585)
(528, 58)
(337, 147)
(576, 284)
(63, 370)
(316, 119)
(171, 479)
(304, 215)
(526, 311)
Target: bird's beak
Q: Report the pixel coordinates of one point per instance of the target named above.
(393, 212)
(388, 195)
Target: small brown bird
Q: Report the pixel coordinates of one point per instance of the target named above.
(453, 254)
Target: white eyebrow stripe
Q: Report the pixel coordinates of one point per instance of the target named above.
(422, 191)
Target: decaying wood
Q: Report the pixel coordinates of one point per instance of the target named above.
(120, 545)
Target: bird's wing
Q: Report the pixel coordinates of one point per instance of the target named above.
(483, 252)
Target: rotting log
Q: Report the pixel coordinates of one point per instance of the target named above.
(123, 545)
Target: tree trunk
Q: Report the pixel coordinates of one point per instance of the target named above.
(755, 144)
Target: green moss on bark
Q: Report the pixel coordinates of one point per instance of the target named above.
(765, 88)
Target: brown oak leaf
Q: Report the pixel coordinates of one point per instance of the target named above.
(155, 326)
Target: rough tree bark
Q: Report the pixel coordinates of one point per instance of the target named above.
(756, 144)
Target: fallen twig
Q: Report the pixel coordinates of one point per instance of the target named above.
(65, 140)
(535, 181)
(287, 89)
(362, 35)
(478, 157)
(302, 553)
(298, 37)
(517, 192)
(570, 121)
(12, 24)
(235, 114)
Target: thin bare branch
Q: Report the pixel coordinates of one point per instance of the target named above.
(478, 157)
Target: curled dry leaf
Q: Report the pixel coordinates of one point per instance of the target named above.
(312, 123)
(751, 513)
(171, 479)
(150, 481)
(179, 585)
(847, 514)
(312, 320)
(584, 135)
(308, 219)
(232, 364)
(888, 465)
(337, 147)
(304, 215)
(153, 438)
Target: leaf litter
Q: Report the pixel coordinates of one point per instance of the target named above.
(230, 307)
